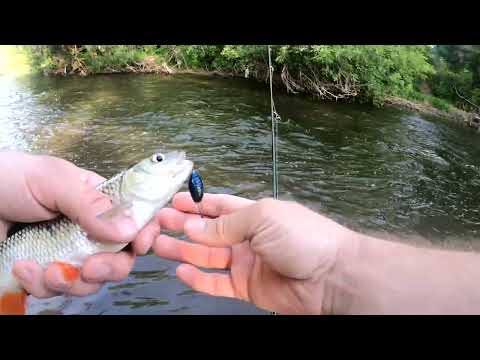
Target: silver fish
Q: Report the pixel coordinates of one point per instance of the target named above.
(142, 190)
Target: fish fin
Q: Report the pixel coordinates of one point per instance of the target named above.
(70, 273)
(13, 302)
(118, 210)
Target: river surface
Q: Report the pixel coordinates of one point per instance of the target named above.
(382, 171)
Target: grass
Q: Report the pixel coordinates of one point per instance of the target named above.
(436, 102)
(13, 61)
(440, 104)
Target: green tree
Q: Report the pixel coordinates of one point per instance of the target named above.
(458, 75)
(368, 73)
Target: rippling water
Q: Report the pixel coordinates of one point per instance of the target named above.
(376, 170)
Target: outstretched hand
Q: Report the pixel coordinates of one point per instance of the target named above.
(279, 254)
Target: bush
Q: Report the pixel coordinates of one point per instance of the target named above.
(372, 72)
(440, 104)
(457, 76)
(341, 72)
(87, 59)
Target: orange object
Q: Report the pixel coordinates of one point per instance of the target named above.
(70, 272)
(13, 303)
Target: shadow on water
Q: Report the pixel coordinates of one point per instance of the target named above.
(376, 170)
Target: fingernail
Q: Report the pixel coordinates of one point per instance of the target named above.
(195, 225)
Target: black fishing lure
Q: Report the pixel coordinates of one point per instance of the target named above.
(195, 185)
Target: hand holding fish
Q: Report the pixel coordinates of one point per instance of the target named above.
(76, 223)
(38, 188)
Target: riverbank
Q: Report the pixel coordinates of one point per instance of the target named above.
(469, 119)
(397, 76)
(150, 66)
(465, 118)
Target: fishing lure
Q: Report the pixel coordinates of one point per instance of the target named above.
(195, 185)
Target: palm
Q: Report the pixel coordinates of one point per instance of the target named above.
(243, 271)
(255, 281)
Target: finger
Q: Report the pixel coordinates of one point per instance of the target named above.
(56, 280)
(108, 267)
(91, 178)
(208, 283)
(213, 205)
(64, 278)
(173, 220)
(196, 254)
(81, 288)
(226, 230)
(86, 206)
(78, 287)
(31, 277)
(144, 240)
(71, 193)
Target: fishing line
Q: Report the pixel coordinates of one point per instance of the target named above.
(275, 117)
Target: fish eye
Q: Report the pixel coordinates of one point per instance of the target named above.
(156, 158)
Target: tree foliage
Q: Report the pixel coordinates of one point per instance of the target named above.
(368, 73)
(457, 78)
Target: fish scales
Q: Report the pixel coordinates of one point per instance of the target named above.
(143, 189)
(53, 240)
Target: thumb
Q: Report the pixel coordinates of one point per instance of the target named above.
(225, 230)
(62, 187)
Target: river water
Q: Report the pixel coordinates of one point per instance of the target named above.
(382, 171)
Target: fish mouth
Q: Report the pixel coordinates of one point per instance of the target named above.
(182, 157)
(184, 169)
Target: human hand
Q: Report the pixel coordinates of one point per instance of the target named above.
(36, 188)
(281, 255)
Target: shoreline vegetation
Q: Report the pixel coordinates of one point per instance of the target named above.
(470, 119)
(439, 81)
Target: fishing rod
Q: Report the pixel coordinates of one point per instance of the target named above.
(275, 117)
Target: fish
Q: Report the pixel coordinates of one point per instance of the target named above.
(142, 190)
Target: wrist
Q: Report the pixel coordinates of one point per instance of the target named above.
(364, 269)
(374, 276)
(339, 292)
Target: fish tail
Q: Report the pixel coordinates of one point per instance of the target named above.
(13, 300)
